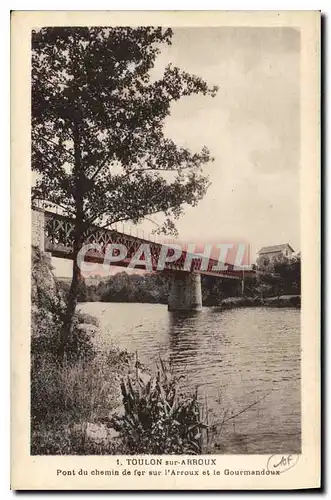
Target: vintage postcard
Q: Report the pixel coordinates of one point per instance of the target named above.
(166, 241)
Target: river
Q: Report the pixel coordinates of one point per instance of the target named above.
(236, 358)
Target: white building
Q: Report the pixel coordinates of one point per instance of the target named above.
(274, 252)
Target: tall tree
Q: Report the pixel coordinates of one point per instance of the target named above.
(98, 145)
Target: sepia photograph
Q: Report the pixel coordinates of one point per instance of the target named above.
(154, 146)
(165, 197)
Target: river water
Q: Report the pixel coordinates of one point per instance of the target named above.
(236, 358)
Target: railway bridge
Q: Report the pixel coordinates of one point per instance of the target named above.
(53, 233)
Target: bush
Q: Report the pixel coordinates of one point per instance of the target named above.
(48, 343)
(86, 318)
(157, 419)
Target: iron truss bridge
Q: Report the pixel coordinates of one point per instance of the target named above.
(59, 232)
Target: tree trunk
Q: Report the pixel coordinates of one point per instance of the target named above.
(72, 298)
(66, 333)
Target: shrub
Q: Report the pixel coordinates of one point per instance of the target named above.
(157, 419)
(86, 318)
(80, 346)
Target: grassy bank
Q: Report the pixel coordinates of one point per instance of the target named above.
(281, 301)
(71, 401)
(94, 402)
(109, 405)
(69, 398)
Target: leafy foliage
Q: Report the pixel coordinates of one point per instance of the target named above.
(282, 277)
(122, 287)
(97, 124)
(48, 342)
(157, 418)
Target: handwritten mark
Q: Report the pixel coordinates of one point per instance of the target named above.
(282, 463)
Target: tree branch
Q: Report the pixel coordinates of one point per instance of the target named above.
(155, 169)
(58, 146)
(71, 211)
(152, 221)
(98, 170)
(91, 220)
(246, 408)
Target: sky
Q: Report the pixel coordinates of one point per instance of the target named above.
(252, 128)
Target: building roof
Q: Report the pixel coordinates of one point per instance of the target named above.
(275, 248)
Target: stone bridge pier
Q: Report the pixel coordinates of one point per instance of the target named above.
(184, 291)
(38, 233)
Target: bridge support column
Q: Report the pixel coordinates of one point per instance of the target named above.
(184, 291)
(38, 229)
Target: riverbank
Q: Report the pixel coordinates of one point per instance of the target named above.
(99, 399)
(282, 301)
(71, 398)
(112, 405)
(73, 403)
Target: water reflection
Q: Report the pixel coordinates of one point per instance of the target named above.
(184, 334)
(234, 357)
